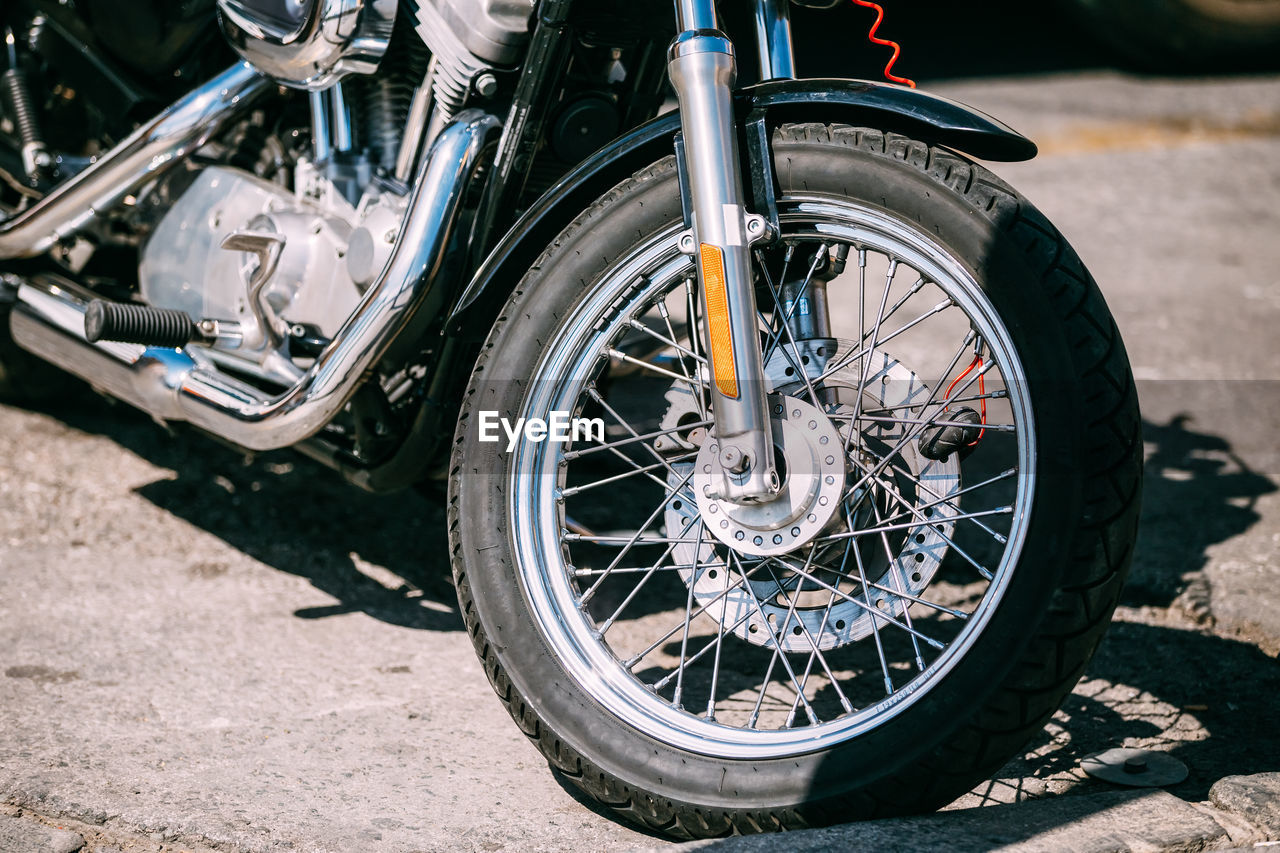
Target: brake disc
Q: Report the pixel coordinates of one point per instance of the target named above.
(753, 571)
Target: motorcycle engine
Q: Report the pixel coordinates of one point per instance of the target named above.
(329, 252)
(332, 233)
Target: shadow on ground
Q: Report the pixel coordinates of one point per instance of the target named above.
(382, 555)
(1197, 492)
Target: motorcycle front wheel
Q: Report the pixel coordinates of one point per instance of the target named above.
(958, 427)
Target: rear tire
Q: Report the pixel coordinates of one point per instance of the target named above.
(1042, 627)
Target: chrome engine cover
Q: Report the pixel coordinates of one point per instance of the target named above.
(309, 44)
(184, 267)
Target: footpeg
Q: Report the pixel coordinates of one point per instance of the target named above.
(139, 324)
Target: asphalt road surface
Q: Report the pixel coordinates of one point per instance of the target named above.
(206, 651)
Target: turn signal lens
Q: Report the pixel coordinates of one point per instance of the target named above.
(717, 298)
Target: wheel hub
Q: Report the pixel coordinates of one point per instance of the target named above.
(812, 458)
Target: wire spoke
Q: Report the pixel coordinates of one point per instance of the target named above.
(951, 401)
(688, 618)
(842, 594)
(570, 455)
(776, 337)
(586, 596)
(919, 428)
(907, 525)
(710, 646)
(595, 395)
(646, 469)
(949, 500)
(813, 644)
(661, 371)
(844, 360)
(608, 623)
(702, 609)
(808, 667)
(896, 580)
(733, 557)
(793, 356)
(931, 422)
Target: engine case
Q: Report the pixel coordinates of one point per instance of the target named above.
(184, 268)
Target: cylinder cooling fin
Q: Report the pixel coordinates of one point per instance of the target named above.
(467, 37)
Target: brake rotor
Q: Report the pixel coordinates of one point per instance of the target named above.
(838, 610)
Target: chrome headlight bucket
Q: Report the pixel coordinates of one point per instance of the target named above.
(309, 44)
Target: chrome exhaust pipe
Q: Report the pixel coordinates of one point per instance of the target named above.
(157, 146)
(48, 320)
(181, 385)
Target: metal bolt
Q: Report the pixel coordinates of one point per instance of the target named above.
(485, 84)
(734, 460)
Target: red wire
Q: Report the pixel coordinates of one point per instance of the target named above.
(897, 48)
(982, 390)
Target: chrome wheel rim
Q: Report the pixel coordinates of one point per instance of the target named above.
(548, 541)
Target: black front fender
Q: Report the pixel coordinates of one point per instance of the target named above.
(929, 118)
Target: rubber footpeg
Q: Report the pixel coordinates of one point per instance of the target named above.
(961, 431)
(137, 324)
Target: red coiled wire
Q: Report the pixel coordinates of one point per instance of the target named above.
(982, 393)
(874, 39)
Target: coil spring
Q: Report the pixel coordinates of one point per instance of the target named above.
(21, 110)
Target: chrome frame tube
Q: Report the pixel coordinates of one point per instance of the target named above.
(702, 69)
(343, 139)
(47, 320)
(321, 138)
(773, 39)
(148, 152)
(415, 125)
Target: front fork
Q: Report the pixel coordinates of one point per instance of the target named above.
(702, 69)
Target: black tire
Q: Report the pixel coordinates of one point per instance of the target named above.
(1054, 611)
(1187, 35)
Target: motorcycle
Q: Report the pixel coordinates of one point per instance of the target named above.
(792, 457)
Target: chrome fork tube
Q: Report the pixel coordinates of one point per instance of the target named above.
(773, 39)
(702, 69)
(152, 149)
